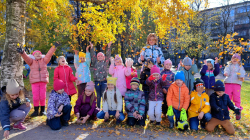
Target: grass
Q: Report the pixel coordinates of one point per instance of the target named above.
(242, 126)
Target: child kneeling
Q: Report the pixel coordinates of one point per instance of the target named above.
(59, 108)
(135, 104)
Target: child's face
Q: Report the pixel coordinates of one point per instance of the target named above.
(156, 75)
(235, 60)
(118, 62)
(60, 91)
(200, 89)
(150, 65)
(82, 59)
(168, 66)
(209, 66)
(14, 96)
(37, 56)
(187, 67)
(134, 86)
(62, 61)
(100, 57)
(152, 41)
(179, 82)
(88, 92)
(110, 86)
(220, 93)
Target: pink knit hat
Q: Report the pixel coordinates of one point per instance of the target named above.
(100, 53)
(90, 86)
(167, 61)
(36, 51)
(58, 85)
(117, 57)
(155, 69)
(236, 55)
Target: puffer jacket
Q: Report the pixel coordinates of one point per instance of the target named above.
(208, 76)
(170, 78)
(83, 74)
(38, 68)
(178, 97)
(129, 78)
(155, 89)
(189, 76)
(234, 73)
(65, 73)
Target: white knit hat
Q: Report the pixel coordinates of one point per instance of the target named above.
(12, 87)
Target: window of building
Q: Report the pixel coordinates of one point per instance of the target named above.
(236, 22)
(248, 8)
(241, 10)
(232, 13)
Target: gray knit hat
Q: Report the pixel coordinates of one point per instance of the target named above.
(12, 87)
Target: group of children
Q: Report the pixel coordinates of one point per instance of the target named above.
(164, 93)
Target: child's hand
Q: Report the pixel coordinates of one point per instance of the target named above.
(112, 60)
(201, 115)
(165, 91)
(193, 62)
(20, 50)
(6, 134)
(241, 79)
(205, 62)
(135, 114)
(158, 59)
(27, 104)
(91, 45)
(117, 115)
(216, 60)
(142, 58)
(58, 115)
(76, 52)
(60, 108)
(109, 44)
(129, 63)
(181, 63)
(139, 117)
(85, 119)
(164, 77)
(77, 116)
(151, 77)
(106, 116)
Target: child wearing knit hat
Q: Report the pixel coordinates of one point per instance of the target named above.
(219, 102)
(59, 108)
(170, 80)
(155, 83)
(135, 104)
(82, 63)
(100, 64)
(133, 73)
(14, 108)
(208, 73)
(85, 107)
(189, 68)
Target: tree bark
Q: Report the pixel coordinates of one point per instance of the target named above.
(12, 63)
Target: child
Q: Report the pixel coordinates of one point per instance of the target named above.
(59, 108)
(119, 71)
(85, 107)
(82, 64)
(170, 80)
(27, 67)
(39, 77)
(189, 68)
(208, 73)
(235, 74)
(219, 109)
(155, 83)
(133, 73)
(65, 73)
(200, 107)
(14, 108)
(178, 100)
(112, 102)
(135, 104)
(100, 63)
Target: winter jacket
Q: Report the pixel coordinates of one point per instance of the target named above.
(143, 77)
(178, 97)
(152, 52)
(135, 101)
(100, 67)
(5, 110)
(110, 103)
(128, 78)
(38, 68)
(199, 103)
(80, 103)
(232, 71)
(65, 74)
(55, 101)
(219, 106)
(155, 89)
(208, 76)
(170, 78)
(189, 76)
(83, 74)
(120, 72)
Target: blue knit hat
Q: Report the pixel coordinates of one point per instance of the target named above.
(210, 61)
(179, 75)
(219, 86)
(187, 61)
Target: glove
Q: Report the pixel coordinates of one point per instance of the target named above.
(164, 76)
(183, 116)
(151, 77)
(20, 50)
(129, 63)
(170, 111)
(237, 111)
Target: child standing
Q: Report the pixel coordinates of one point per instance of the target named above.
(82, 64)
(200, 107)
(100, 63)
(219, 109)
(155, 83)
(59, 108)
(235, 74)
(178, 100)
(189, 68)
(119, 71)
(112, 102)
(135, 104)
(85, 107)
(39, 77)
(13, 108)
(208, 73)
(170, 80)
(133, 73)
(65, 73)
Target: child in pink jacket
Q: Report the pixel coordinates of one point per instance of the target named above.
(65, 73)
(39, 76)
(132, 75)
(118, 70)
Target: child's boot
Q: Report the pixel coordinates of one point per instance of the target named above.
(171, 125)
(42, 111)
(158, 123)
(35, 113)
(19, 126)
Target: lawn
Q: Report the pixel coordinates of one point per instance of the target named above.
(242, 127)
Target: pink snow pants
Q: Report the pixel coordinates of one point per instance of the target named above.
(233, 91)
(39, 93)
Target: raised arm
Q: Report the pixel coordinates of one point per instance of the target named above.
(216, 69)
(76, 61)
(88, 59)
(49, 54)
(203, 70)
(27, 59)
(108, 53)
(93, 55)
